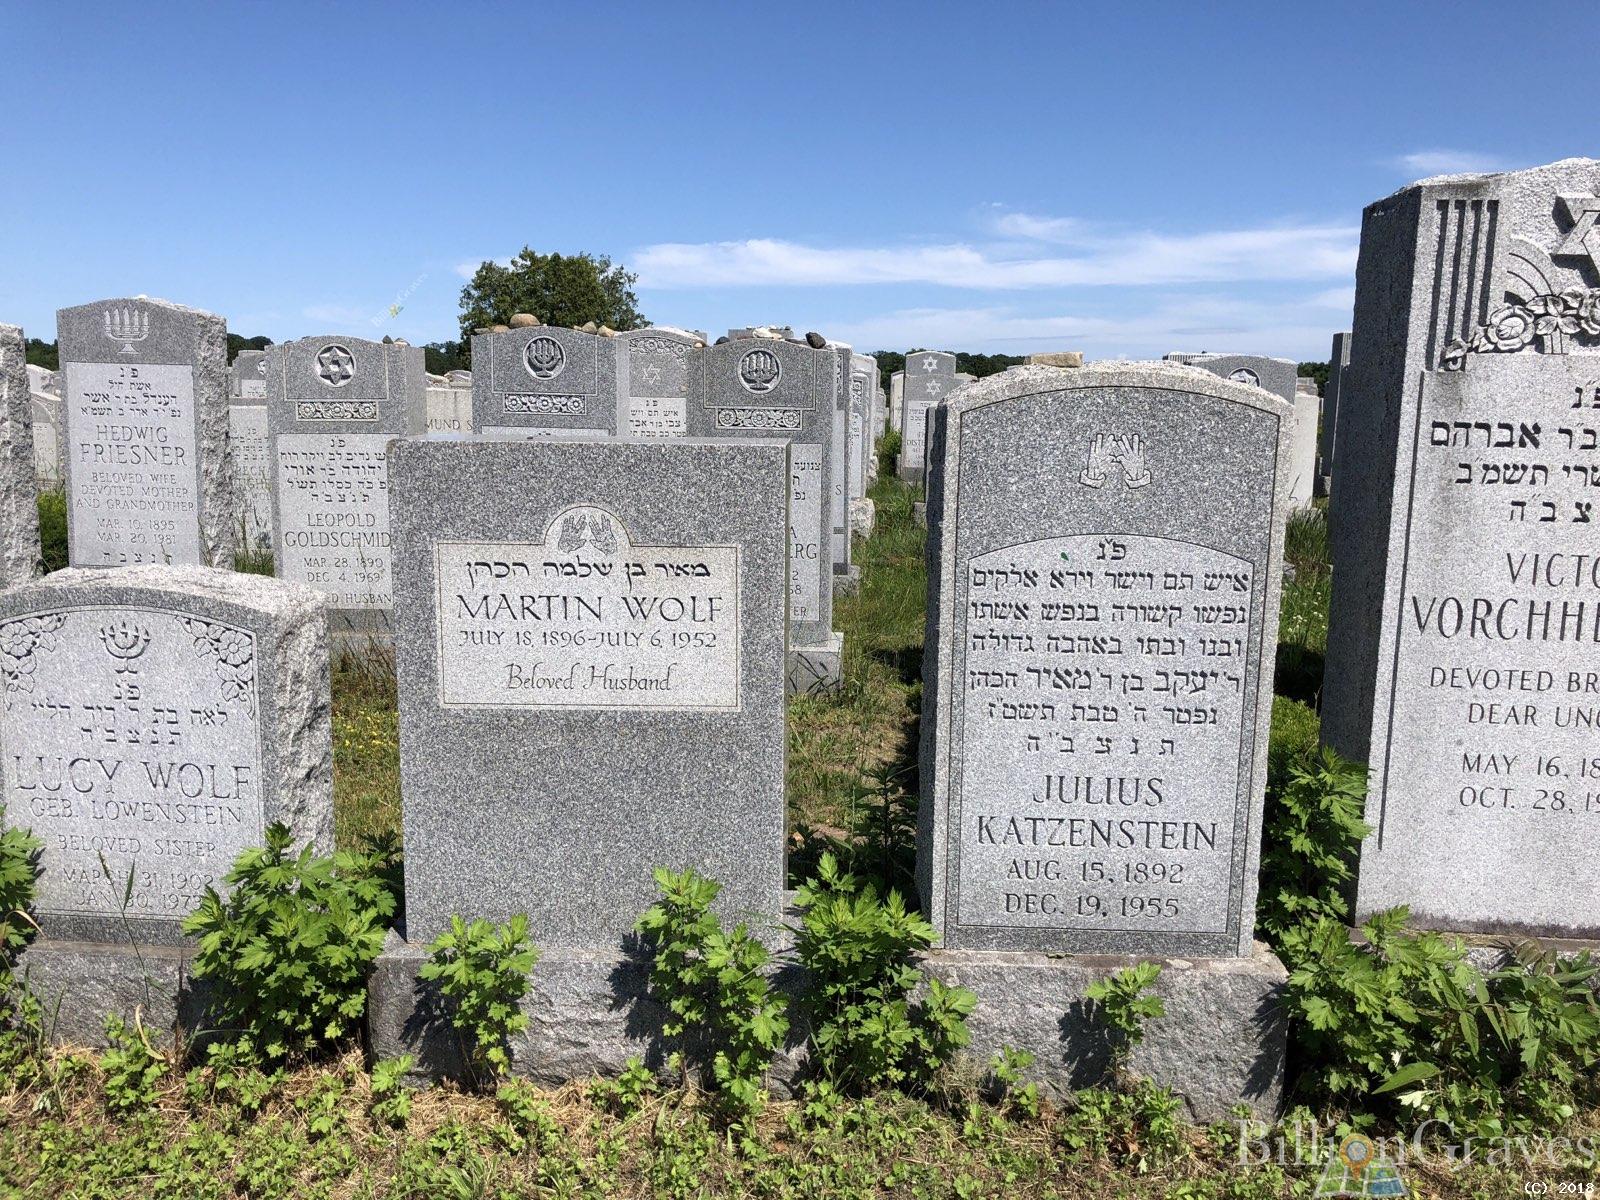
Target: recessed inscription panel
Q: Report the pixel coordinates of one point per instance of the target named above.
(247, 445)
(657, 417)
(135, 486)
(587, 620)
(333, 509)
(1100, 706)
(805, 531)
(1489, 733)
(130, 740)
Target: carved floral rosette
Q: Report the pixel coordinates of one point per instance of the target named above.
(232, 653)
(335, 410)
(1549, 319)
(19, 640)
(758, 418)
(562, 405)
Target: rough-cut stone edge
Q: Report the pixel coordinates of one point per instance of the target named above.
(944, 452)
(293, 682)
(816, 670)
(19, 490)
(1221, 1042)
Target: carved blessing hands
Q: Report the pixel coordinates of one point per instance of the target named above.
(1134, 469)
(1101, 459)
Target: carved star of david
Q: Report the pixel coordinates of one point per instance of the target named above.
(930, 364)
(934, 387)
(1583, 240)
(652, 374)
(336, 366)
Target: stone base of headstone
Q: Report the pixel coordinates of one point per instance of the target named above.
(817, 670)
(848, 582)
(911, 474)
(79, 983)
(1324, 486)
(589, 1011)
(863, 517)
(919, 513)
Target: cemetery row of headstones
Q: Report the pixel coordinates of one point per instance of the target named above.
(590, 645)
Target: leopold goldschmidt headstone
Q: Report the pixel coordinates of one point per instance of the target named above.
(590, 647)
(1464, 643)
(148, 479)
(1100, 649)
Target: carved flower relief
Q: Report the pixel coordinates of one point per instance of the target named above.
(1554, 314)
(19, 640)
(234, 651)
(1510, 328)
(1589, 314)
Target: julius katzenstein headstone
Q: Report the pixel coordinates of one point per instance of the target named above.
(1464, 645)
(19, 495)
(334, 405)
(1100, 649)
(247, 445)
(590, 642)
(775, 389)
(653, 382)
(155, 720)
(1338, 364)
(148, 477)
(544, 382)
(930, 377)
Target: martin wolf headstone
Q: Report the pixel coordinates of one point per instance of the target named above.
(334, 405)
(148, 478)
(1338, 363)
(767, 388)
(653, 370)
(1100, 648)
(155, 721)
(1464, 644)
(247, 448)
(930, 377)
(573, 619)
(544, 382)
(19, 492)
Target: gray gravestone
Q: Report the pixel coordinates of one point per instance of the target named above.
(897, 399)
(247, 449)
(1464, 641)
(861, 433)
(19, 490)
(155, 721)
(247, 377)
(1099, 660)
(146, 397)
(1338, 363)
(590, 642)
(766, 388)
(544, 382)
(449, 407)
(839, 481)
(930, 377)
(334, 405)
(653, 382)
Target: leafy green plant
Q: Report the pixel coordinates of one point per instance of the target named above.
(626, 1094)
(482, 972)
(1123, 1003)
(714, 984)
(391, 1098)
(1312, 833)
(287, 953)
(133, 1068)
(323, 1105)
(234, 1074)
(19, 872)
(1134, 1126)
(1405, 1018)
(859, 955)
(1009, 1069)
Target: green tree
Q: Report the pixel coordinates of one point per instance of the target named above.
(559, 289)
(44, 354)
(441, 357)
(1317, 371)
(238, 342)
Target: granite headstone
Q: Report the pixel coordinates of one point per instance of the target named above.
(930, 376)
(19, 492)
(544, 382)
(653, 370)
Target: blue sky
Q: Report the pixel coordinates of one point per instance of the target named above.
(1124, 179)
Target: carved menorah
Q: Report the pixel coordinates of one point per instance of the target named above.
(127, 325)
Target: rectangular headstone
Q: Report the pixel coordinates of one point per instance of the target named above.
(334, 405)
(1464, 641)
(590, 643)
(544, 382)
(146, 390)
(653, 382)
(449, 408)
(252, 478)
(770, 389)
(247, 377)
(1338, 363)
(839, 480)
(930, 377)
(897, 399)
(156, 720)
(1099, 662)
(861, 429)
(19, 491)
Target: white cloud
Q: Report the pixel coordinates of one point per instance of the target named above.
(1297, 328)
(337, 314)
(1140, 258)
(1448, 162)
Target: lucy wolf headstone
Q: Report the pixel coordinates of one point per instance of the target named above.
(19, 492)
(590, 642)
(1464, 643)
(148, 478)
(1100, 648)
(334, 405)
(544, 382)
(155, 720)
